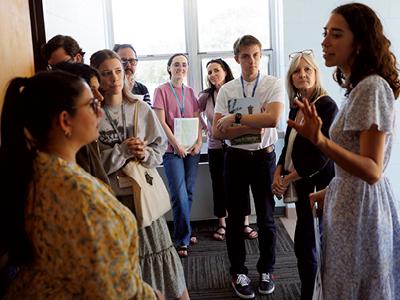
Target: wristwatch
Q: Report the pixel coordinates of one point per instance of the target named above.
(238, 117)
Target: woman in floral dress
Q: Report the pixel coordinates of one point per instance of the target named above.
(71, 238)
(361, 245)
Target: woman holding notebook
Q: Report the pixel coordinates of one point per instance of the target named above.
(173, 103)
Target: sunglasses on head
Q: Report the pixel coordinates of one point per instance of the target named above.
(306, 52)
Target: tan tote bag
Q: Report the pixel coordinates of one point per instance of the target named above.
(150, 195)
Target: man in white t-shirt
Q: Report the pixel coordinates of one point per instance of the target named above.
(246, 113)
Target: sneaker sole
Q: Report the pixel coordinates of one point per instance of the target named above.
(241, 295)
(266, 292)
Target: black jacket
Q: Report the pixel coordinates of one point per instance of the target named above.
(308, 160)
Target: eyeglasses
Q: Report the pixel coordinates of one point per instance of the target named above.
(51, 67)
(306, 52)
(93, 103)
(131, 61)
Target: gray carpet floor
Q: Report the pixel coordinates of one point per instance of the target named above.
(207, 266)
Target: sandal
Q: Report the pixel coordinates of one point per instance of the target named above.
(182, 251)
(250, 235)
(217, 235)
(193, 240)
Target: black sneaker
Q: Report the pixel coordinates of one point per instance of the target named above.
(241, 286)
(267, 285)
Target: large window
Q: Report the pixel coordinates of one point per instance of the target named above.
(220, 23)
(203, 29)
(153, 27)
(83, 20)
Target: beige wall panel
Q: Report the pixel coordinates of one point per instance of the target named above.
(16, 54)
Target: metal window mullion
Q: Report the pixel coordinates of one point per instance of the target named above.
(108, 23)
(192, 43)
(277, 58)
(153, 57)
(276, 33)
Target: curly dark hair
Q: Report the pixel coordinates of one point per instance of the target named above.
(373, 54)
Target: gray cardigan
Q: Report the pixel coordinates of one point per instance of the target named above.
(115, 155)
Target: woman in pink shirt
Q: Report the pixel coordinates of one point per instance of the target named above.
(174, 100)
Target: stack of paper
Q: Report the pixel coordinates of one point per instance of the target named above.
(186, 131)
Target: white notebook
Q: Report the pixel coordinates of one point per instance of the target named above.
(186, 131)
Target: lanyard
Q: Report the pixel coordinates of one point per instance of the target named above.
(181, 107)
(114, 123)
(254, 88)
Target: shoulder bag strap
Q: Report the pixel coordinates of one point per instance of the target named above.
(135, 120)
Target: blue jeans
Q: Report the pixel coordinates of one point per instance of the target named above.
(181, 175)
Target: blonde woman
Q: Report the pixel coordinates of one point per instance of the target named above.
(302, 164)
(160, 265)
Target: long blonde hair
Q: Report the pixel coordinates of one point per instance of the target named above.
(290, 88)
(99, 57)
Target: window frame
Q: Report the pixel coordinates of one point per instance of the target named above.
(276, 65)
(195, 78)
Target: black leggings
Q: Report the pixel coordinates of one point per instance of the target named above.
(216, 165)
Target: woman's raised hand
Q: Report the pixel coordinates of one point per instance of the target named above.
(310, 125)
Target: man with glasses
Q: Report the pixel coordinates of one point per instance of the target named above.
(129, 60)
(247, 111)
(62, 48)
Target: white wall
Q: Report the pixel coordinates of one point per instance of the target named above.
(303, 27)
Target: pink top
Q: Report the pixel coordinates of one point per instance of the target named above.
(165, 99)
(207, 106)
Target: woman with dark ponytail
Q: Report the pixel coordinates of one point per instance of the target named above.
(66, 232)
(88, 157)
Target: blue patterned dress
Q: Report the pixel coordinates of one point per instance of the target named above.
(361, 246)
